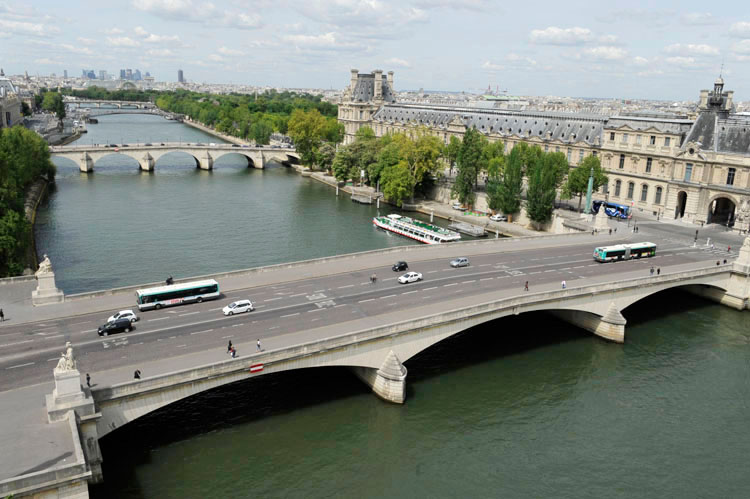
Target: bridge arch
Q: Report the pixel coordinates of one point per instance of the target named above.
(251, 160)
(157, 155)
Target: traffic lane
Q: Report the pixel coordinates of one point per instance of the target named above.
(106, 353)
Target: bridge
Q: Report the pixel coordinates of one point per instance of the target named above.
(147, 154)
(96, 103)
(325, 312)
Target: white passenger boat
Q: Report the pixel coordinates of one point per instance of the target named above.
(415, 229)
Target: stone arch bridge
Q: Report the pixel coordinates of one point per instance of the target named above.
(148, 154)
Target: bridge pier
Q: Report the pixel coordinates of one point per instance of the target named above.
(610, 327)
(147, 163)
(388, 382)
(86, 164)
(206, 162)
(737, 294)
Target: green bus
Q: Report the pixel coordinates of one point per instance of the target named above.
(177, 294)
(624, 252)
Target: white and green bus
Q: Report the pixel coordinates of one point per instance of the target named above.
(177, 294)
(624, 252)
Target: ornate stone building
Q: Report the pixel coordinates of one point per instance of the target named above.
(10, 104)
(677, 168)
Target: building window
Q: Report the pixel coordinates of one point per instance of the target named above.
(557, 149)
(644, 192)
(570, 153)
(652, 140)
(624, 138)
(612, 136)
(648, 164)
(622, 161)
(580, 155)
(688, 171)
(657, 198)
(631, 189)
(618, 185)
(638, 139)
(593, 153)
(667, 140)
(730, 176)
(546, 148)
(7, 119)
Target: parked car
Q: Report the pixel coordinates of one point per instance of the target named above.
(498, 217)
(410, 277)
(123, 314)
(237, 307)
(400, 266)
(117, 326)
(461, 261)
(457, 206)
(148, 144)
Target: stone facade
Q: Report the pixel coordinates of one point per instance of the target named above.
(697, 169)
(10, 104)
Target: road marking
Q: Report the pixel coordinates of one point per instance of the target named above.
(337, 306)
(363, 301)
(315, 319)
(272, 299)
(410, 292)
(467, 282)
(21, 365)
(50, 337)
(159, 319)
(172, 337)
(181, 346)
(214, 309)
(298, 294)
(388, 296)
(56, 358)
(431, 271)
(236, 325)
(425, 297)
(259, 306)
(290, 315)
(550, 270)
(485, 265)
(16, 343)
(486, 278)
(189, 313)
(566, 268)
(579, 267)
(447, 270)
(319, 291)
(454, 284)
(347, 286)
(79, 323)
(427, 289)
(227, 336)
(275, 327)
(139, 343)
(315, 310)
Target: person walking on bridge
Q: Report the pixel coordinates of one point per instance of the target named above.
(259, 349)
(564, 284)
(2, 315)
(652, 270)
(137, 374)
(526, 286)
(229, 347)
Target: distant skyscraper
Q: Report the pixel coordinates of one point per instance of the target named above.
(102, 74)
(122, 74)
(128, 74)
(65, 74)
(137, 75)
(180, 76)
(84, 73)
(91, 75)
(147, 74)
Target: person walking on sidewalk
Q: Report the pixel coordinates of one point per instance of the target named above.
(88, 380)
(137, 374)
(658, 271)
(234, 352)
(229, 347)
(564, 284)
(526, 286)
(2, 315)
(652, 270)
(259, 349)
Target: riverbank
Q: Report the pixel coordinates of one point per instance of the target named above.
(34, 196)
(218, 135)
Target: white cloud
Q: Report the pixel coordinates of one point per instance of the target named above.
(76, 49)
(326, 41)
(608, 40)
(24, 28)
(491, 66)
(204, 13)
(216, 57)
(242, 21)
(681, 61)
(640, 61)
(740, 29)
(122, 41)
(606, 53)
(86, 41)
(698, 19)
(373, 19)
(140, 31)
(742, 47)
(691, 49)
(511, 57)
(159, 53)
(45, 60)
(650, 72)
(395, 61)
(561, 36)
(113, 31)
(228, 51)
(475, 5)
(163, 39)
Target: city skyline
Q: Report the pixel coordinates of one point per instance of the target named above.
(581, 51)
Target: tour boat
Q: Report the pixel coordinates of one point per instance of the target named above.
(415, 229)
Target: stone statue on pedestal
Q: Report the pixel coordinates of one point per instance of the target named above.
(46, 292)
(45, 267)
(67, 361)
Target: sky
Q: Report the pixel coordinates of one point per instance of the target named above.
(651, 50)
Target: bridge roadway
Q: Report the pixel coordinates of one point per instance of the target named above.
(286, 311)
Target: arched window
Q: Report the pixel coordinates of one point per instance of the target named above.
(657, 198)
(644, 192)
(631, 189)
(618, 185)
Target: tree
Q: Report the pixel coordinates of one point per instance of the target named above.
(333, 131)
(540, 196)
(326, 155)
(261, 131)
(25, 109)
(53, 102)
(306, 129)
(470, 161)
(509, 189)
(397, 183)
(578, 179)
(450, 151)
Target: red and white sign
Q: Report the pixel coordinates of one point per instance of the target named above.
(256, 368)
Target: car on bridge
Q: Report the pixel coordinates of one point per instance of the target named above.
(461, 261)
(400, 266)
(410, 277)
(123, 314)
(237, 307)
(117, 326)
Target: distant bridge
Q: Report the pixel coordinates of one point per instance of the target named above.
(97, 103)
(148, 154)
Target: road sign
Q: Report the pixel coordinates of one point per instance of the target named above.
(256, 368)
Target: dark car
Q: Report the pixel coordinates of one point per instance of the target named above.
(117, 326)
(400, 266)
(235, 145)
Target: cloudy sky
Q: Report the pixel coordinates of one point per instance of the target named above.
(574, 48)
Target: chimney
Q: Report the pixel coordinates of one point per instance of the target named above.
(730, 94)
(703, 104)
(390, 81)
(378, 84)
(355, 72)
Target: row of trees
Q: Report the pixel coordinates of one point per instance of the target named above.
(24, 157)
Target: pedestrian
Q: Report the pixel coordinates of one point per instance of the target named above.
(652, 270)
(259, 349)
(718, 262)
(610, 232)
(592, 232)
(658, 271)
(234, 352)
(725, 261)
(526, 286)
(2, 315)
(729, 249)
(229, 347)
(712, 246)
(88, 380)
(615, 230)
(564, 284)
(137, 374)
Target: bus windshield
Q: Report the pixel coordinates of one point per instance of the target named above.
(176, 294)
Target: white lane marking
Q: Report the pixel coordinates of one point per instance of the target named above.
(388, 296)
(447, 270)
(431, 271)
(298, 294)
(467, 282)
(315, 319)
(139, 343)
(579, 267)
(201, 332)
(290, 315)
(447, 285)
(274, 327)
(485, 265)
(486, 278)
(566, 268)
(172, 337)
(425, 297)
(189, 313)
(20, 365)
(181, 346)
(364, 283)
(427, 289)
(16, 343)
(259, 306)
(227, 336)
(158, 319)
(316, 310)
(50, 337)
(550, 270)
(347, 286)
(319, 291)
(214, 309)
(410, 292)
(272, 299)
(337, 306)
(56, 358)
(363, 301)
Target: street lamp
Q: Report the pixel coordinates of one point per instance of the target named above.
(590, 188)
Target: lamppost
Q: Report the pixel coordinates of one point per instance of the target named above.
(590, 188)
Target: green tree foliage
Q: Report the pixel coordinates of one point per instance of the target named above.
(578, 179)
(306, 129)
(471, 161)
(360, 155)
(451, 151)
(333, 131)
(509, 189)
(53, 102)
(24, 157)
(540, 195)
(397, 182)
(261, 131)
(326, 155)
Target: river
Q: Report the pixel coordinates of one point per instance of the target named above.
(525, 406)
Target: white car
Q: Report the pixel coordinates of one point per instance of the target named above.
(124, 314)
(237, 307)
(410, 277)
(498, 217)
(457, 206)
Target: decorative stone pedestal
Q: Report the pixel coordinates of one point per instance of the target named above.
(601, 221)
(46, 292)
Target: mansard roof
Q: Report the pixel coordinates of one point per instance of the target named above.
(676, 126)
(364, 90)
(564, 127)
(725, 135)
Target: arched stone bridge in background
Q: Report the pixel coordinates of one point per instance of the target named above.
(96, 103)
(148, 154)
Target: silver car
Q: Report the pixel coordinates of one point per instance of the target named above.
(461, 261)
